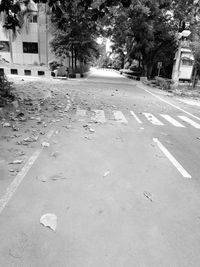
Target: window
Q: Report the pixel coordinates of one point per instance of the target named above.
(1, 72)
(33, 19)
(4, 46)
(27, 72)
(31, 48)
(14, 71)
(41, 73)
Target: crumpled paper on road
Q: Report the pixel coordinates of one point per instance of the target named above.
(49, 220)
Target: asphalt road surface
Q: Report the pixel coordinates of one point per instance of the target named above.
(122, 178)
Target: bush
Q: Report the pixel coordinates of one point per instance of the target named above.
(5, 90)
(53, 65)
(164, 83)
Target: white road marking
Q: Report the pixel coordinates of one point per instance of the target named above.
(172, 121)
(178, 166)
(119, 116)
(99, 116)
(81, 112)
(136, 117)
(153, 119)
(191, 122)
(165, 101)
(19, 178)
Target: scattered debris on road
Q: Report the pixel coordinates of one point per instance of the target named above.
(57, 177)
(16, 162)
(6, 124)
(49, 220)
(87, 137)
(42, 178)
(13, 171)
(106, 173)
(91, 130)
(45, 144)
(54, 154)
(148, 195)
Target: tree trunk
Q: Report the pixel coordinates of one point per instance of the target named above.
(150, 68)
(139, 62)
(72, 51)
(194, 80)
(145, 70)
(75, 56)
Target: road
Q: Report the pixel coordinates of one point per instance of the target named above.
(122, 176)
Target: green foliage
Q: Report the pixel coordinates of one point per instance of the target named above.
(5, 90)
(165, 84)
(143, 31)
(75, 31)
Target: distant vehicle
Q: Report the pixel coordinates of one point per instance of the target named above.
(132, 72)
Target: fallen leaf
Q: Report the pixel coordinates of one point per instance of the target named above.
(42, 178)
(54, 154)
(56, 177)
(87, 137)
(16, 162)
(21, 153)
(148, 195)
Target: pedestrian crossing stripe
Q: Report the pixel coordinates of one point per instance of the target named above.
(99, 116)
(191, 122)
(81, 112)
(172, 121)
(136, 117)
(119, 117)
(153, 119)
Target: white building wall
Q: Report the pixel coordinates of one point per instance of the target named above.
(4, 37)
(17, 50)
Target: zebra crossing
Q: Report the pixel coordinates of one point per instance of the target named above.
(101, 116)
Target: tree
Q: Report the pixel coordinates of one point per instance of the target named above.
(143, 31)
(75, 32)
(195, 47)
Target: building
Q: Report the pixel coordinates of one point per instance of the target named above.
(30, 49)
(31, 46)
(184, 60)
